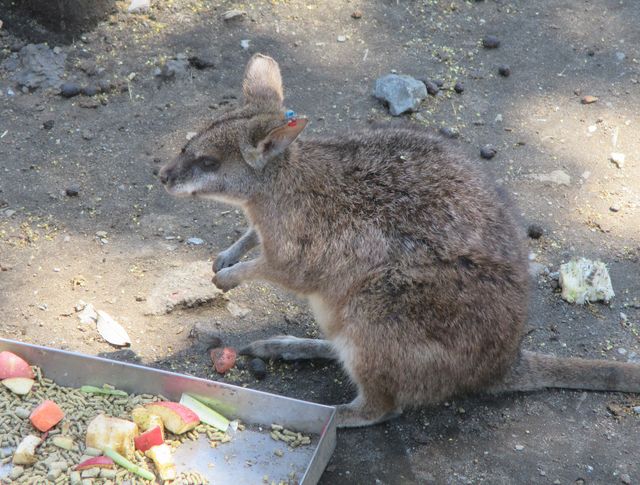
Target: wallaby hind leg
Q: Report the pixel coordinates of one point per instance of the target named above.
(366, 411)
(233, 253)
(288, 347)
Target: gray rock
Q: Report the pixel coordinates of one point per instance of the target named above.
(504, 70)
(69, 90)
(491, 42)
(402, 93)
(535, 231)
(38, 66)
(488, 152)
(184, 287)
(449, 132)
(636, 409)
(458, 87)
(90, 90)
(195, 241)
(626, 479)
(72, 190)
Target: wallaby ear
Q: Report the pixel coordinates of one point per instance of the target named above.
(274, 144)
(262, 81)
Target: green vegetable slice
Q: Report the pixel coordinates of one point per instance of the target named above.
(103, 390)
(132, 467)
(205, 413)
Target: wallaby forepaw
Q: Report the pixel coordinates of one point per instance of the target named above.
(287, 347)
(225, 279)
(225, 259)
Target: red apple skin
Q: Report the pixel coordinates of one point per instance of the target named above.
(176, 418)
(149, 439)
(13, 366)
(99, 461)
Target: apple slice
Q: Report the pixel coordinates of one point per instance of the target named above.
(13, 366)
(107, 432)
(176, 418)
(149, 438)
(96, 461)
(19, 385)
(145, 420)
(162, 459)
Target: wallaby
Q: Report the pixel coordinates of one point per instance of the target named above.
(412, 265)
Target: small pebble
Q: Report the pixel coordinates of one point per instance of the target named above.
(491, 42)
(195, 241)
(519, 447)
(342, 38)
(258, 368)
(636, 409)
(588, 99)
(47, 125)
(432, 88)
(449, 132)
(625, 478)
(622, 351)
(244, 43)
(614, 208)
(72, 190)
(69, 90)
(504, 70)
(535, 231)
(488, 152)
(458, 87)
(357, 14)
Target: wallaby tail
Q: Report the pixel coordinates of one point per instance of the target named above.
(535, 371)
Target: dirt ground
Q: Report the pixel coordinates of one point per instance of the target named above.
(122, 235)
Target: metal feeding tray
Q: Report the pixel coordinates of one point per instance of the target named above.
(249, 457)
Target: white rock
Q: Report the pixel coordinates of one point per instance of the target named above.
(519, 447)
(237, 310)
(584, 281)
(88, 314)
(195, 241)
(244, 43)
(191, 134)
(138, 6)
(617, 159)
(622, 351)
(557, 177)
(342, 38)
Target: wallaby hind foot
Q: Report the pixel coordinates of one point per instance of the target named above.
(366, 412)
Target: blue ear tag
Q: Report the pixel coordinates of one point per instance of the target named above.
(290, 117)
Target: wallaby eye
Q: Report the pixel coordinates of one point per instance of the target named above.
(209, 163)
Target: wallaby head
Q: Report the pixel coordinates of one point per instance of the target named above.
(226, 161)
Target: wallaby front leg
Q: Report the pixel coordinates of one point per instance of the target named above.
(228, 278)
(233, 253)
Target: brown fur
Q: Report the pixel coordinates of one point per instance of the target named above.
(411, 262)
